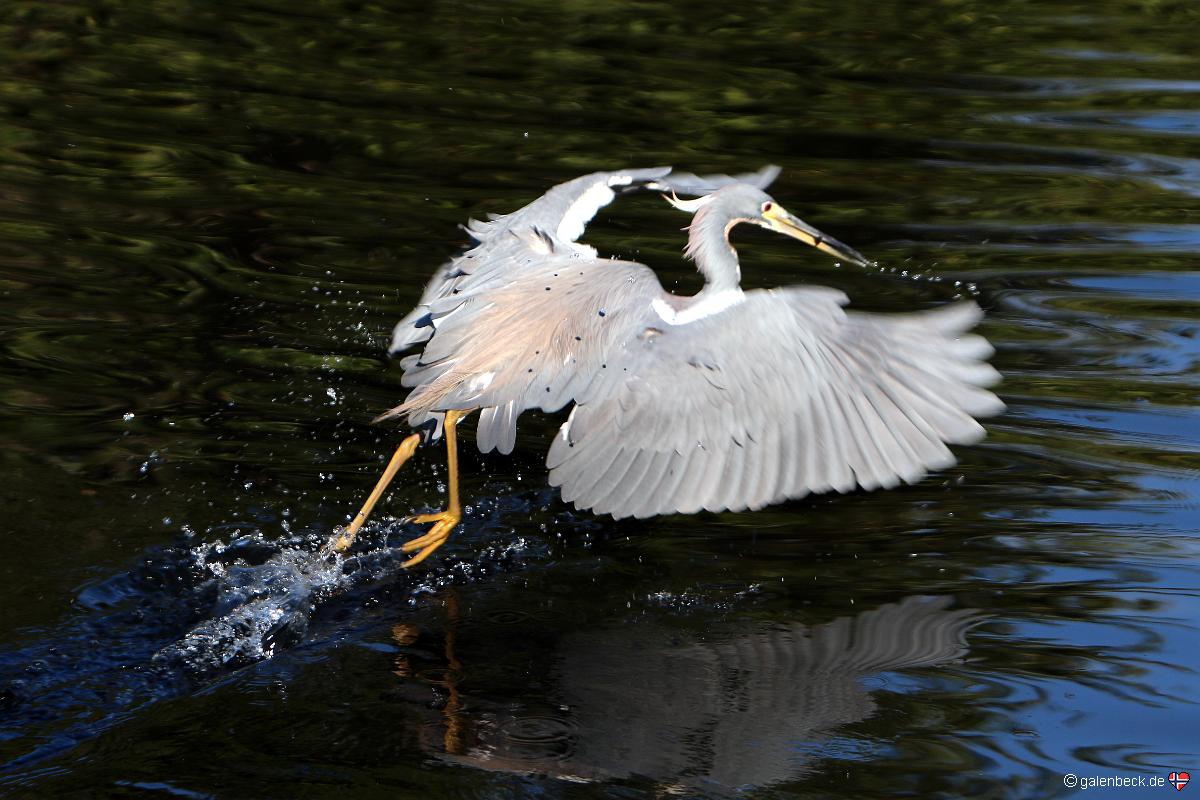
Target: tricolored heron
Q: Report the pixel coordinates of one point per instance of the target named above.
(726, 400)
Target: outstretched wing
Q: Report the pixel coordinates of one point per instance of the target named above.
(551, 224)
(687, 183)
(780, 396)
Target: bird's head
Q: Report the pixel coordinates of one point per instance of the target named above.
(741, 202)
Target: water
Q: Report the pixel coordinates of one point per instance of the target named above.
(210, 216)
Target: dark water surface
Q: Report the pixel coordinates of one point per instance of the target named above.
(210, 217)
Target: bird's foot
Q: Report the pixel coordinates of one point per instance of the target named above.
(443, 523)
(421, 519)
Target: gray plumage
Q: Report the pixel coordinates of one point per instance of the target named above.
(725, 400)
(506, 244)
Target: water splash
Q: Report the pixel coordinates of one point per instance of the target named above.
(183, 617)
(261, 594)
(264, 594)
(190, 614)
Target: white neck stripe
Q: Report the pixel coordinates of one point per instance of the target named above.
(707, 307)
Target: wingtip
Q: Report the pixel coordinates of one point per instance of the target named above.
(767, 175)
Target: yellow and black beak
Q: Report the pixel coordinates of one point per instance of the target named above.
(777, 218)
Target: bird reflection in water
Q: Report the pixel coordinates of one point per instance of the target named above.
(732, 710)
(405, 635)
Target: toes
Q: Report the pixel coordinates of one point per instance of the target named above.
(419, 557)
(426, 550)
(421, 519)
(443, 523)
(418, 543)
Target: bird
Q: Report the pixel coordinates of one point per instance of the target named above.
(723, 709)
(726, 400)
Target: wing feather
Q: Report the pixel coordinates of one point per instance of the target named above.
(727, 494)
(508, 244)
(598, 485)
(687, 498)
(663, 493)
(794, 441)
(780, 396)
(621, 498)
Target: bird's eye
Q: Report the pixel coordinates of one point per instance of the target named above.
(767, 206)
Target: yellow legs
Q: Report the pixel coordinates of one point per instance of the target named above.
(403, 453)
(444, 521)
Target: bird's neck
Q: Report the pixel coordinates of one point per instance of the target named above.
(708, 245)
